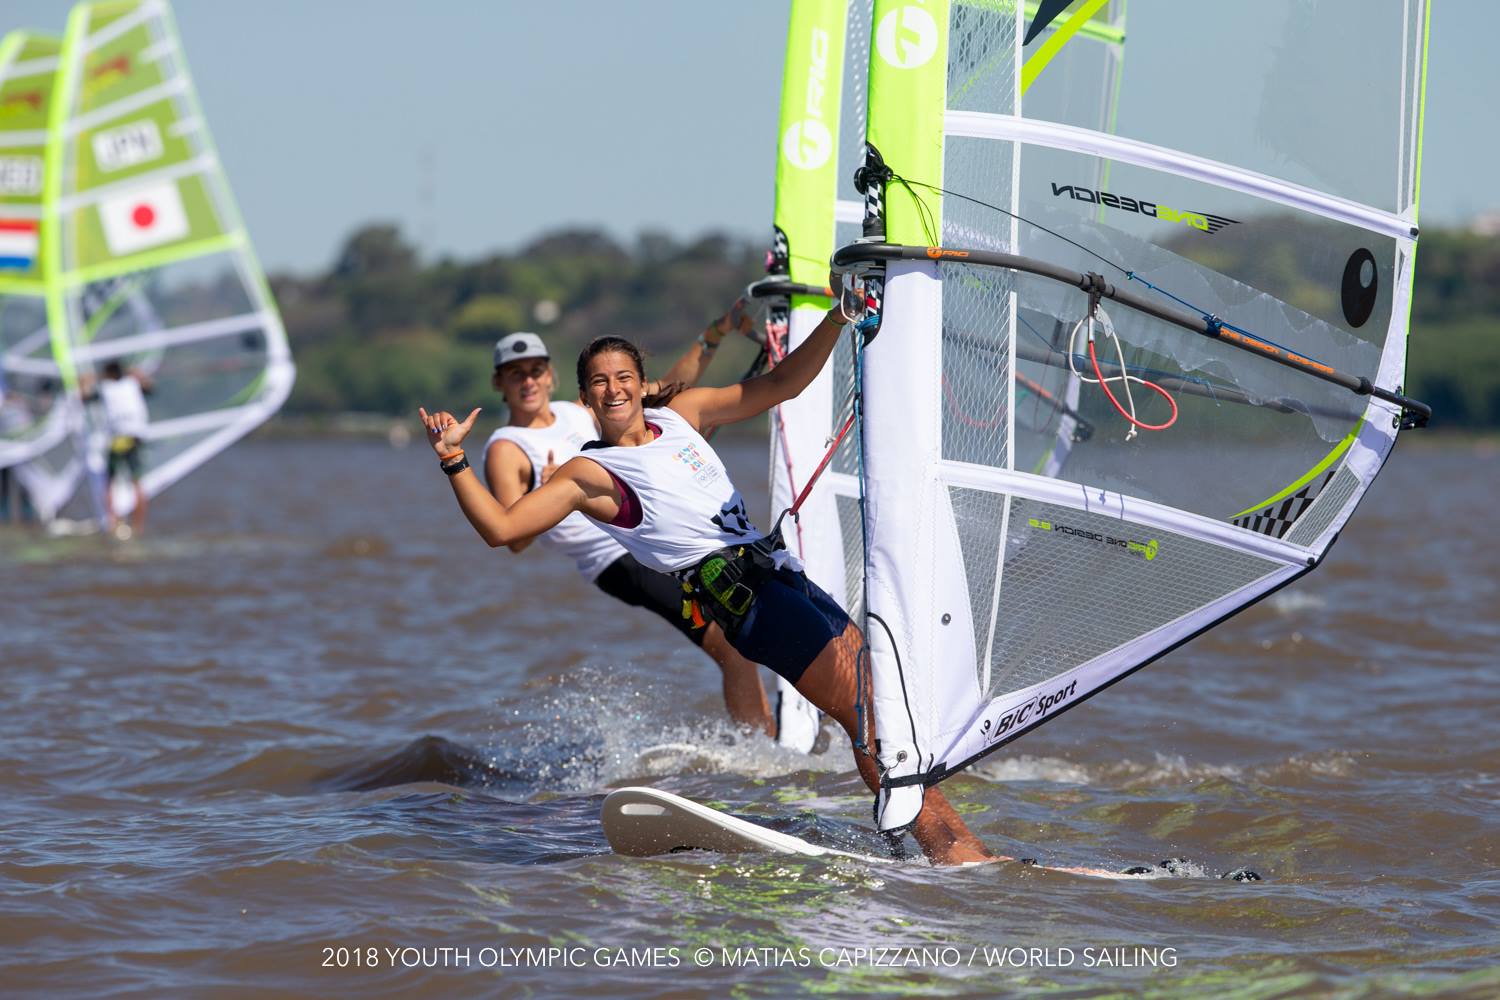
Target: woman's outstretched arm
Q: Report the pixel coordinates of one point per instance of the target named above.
(578, 485)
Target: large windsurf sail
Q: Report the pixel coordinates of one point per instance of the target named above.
(150, 264)
(820, 143)
(33, 417)
(1218, 285)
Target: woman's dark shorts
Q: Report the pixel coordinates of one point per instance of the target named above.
(627, 580)
(790, 623)
(124, 451)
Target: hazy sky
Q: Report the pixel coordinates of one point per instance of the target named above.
(478, 124)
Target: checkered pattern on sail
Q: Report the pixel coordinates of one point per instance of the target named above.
(1277, 519)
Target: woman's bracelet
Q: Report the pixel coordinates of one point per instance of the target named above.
(451, 455)
(456, 467)
(703, 342)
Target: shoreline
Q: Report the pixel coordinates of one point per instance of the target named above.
(400, 431)
(381, 425)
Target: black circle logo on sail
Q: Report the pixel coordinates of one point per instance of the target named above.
(1359, 292)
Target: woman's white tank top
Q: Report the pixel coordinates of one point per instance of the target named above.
(124, 402)
(576, 536)
(689, 508)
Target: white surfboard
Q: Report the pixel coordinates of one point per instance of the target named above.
(643, 822)
(647, 822)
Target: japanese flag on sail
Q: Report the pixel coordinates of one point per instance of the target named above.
(143, 217)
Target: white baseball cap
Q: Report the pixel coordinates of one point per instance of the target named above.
(518, 347)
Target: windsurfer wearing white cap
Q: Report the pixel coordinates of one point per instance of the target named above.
(541, 435)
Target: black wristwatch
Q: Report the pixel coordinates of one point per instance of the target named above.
(456, 467)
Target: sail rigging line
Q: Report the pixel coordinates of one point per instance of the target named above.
(774, 293)
(1135, 424)
(1189, 385)
(838, 439)
(1125, 378)
(776, 290)
(925, 212)
(1202, 312)
(1415, 413)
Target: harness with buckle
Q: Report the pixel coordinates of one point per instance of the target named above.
(722, 587)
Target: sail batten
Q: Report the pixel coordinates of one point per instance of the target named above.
(979, 125)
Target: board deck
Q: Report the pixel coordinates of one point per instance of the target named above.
(648, 822)
(644, 822)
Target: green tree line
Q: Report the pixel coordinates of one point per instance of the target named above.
(382, 332)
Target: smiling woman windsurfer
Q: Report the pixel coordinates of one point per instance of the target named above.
(541, 435)
(658, 488)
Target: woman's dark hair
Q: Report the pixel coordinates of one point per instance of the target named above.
(605, 345)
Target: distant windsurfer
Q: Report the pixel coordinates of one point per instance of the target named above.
(541, 435)
(659, 489)
(123, 395)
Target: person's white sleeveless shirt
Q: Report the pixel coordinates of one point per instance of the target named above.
(124, 406)
(689, 508)
(577, 536)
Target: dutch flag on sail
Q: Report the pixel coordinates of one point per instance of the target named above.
(18, 244)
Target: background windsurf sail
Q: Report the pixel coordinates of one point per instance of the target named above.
(1248, 237)
(33, 410)
(820, 143)
(151, 264)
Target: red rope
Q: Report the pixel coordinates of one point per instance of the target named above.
(776, 350)
(1103, 384)
(822, 465)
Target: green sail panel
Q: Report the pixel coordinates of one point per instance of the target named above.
(33, 414)
(151, 264)
(822, 86)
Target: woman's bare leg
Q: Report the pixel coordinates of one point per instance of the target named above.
(138, 513)
(744, 696)
(830, 684)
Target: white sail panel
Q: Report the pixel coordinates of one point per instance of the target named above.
(1016, 564)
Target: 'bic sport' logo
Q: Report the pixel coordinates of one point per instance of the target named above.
(807, 144)
(907, 37)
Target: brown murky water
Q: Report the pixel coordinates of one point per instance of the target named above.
(311, 737)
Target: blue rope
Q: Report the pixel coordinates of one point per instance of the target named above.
(1208, 317)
